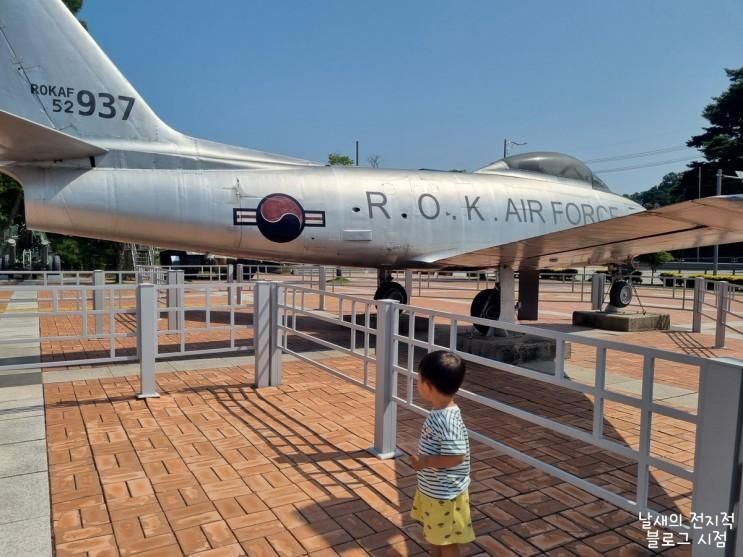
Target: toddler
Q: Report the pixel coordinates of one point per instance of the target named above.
(441, 502)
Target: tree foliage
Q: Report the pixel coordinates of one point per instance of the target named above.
(722, 140)
(374, 160)
(721, 143)
(665, 193)
(336, 159)
(74, 5)
(655, 260)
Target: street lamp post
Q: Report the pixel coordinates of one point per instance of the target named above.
(716, 254)
(720, 176)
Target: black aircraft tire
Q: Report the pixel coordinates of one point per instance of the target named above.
(391, 291)
(620, 294)
(486, 305)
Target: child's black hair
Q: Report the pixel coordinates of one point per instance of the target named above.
(443, 370)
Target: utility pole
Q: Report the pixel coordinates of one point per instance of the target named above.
(716, 254)
(357, 152)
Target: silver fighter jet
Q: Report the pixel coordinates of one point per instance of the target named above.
(96, 161)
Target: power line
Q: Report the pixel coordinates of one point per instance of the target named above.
(640, 154)
(638, 166)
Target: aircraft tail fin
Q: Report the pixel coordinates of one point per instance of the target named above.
(52, 73)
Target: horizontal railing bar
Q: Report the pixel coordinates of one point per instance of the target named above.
(327, 344)
(328, 369)
(617, 500)
(65, 363)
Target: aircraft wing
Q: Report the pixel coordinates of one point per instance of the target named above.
(702, 222)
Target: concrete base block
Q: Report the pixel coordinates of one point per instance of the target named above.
(514, 349)
(625, 321)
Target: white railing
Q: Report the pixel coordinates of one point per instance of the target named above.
(101, 314)
(383, 337)
(714, 475)
(97, 324)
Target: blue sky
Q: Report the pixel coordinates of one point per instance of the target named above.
(431, 84)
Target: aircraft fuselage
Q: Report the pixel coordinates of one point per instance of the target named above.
(330, 215)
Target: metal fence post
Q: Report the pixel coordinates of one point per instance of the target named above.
(265, 334)
(385, 409)
(171, 297)
(322, 285)
(723, 291)
(409, 284)
(230, 282)
(239, 290)
(99, 281)
(598, 285)
(717, 446)
(147, 339)
(698, 304)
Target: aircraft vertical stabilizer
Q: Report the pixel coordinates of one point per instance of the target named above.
(54, 74)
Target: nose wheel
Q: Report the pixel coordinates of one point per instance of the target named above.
(486, 305)
(620, 294)
(390, 290)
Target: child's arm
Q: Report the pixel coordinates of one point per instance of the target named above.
(419, 462)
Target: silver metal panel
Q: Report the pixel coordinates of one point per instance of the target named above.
(21, 139)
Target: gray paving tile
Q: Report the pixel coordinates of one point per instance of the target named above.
(27, 538)
(75, 375)
(13, 409)
(27, 428)
(23, 458)
(203, 363)
(690, 401)
(24, 497)
(25, 392)
(21, 378)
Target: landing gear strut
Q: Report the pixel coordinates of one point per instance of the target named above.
(387, 289)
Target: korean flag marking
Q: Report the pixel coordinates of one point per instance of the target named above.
(279, 217)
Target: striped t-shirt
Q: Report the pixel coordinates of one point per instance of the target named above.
(444, 433)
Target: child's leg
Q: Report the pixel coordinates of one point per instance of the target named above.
(436, 550)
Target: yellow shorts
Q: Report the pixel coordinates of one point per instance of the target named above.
(444, 522)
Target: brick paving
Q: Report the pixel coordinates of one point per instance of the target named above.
(217, 468)
(214, 467)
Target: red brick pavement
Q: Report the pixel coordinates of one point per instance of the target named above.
(214, 467)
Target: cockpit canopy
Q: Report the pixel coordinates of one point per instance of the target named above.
(552, 164)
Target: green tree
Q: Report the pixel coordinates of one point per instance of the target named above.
(74, 5)
(336, 159)
(722, 140)
(665, 193)
(721, 143)
(11, 202)
(655, 260)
